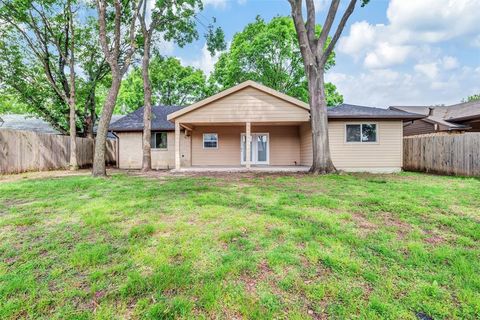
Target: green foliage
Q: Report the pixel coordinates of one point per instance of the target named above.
(32, 46)
(269, 54)
(9, 103)
(171, 82)
(473, 97)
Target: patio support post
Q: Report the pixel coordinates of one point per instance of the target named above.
(248, 138)
(177, 145)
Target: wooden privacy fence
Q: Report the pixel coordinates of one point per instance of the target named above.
(452, 154)
(22, 151)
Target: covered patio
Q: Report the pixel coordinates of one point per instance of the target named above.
(247, 127)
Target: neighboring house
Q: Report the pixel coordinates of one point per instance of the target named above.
(455, 118)
(213, 132)
(31, 123)
(25, 122)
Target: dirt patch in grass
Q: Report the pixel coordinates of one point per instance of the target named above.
(402, 228)
(364, 226)
(251, 281)
(434, 238)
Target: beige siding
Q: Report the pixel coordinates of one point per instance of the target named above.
(385, 155)
(418, 127)
(130, 151)
(248, 104)
(284, 145)
(306, 152)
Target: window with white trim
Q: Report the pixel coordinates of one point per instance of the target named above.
(210, 140)
(158, 140)
(364, 132)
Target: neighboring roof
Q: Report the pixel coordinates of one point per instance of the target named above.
(26, 122)
(237, 88)
(134, 120)
(350, 111)
(463, 111)
(446, 116)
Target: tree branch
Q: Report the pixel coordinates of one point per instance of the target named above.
(332, 12)
(303, 42)
(310, 24)
(338, 32)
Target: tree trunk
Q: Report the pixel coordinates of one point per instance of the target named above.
(147, 109)
(90, 114)
(322, 162)
(99, 169)
(71, 100)
(73, 133)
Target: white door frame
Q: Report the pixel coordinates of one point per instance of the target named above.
(254, 148)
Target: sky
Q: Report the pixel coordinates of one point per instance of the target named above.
(397, 52)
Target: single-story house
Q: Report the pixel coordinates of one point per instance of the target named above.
(26, 122)
(461, 117)
(269, 126)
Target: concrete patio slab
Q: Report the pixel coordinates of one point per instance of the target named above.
(268, 169)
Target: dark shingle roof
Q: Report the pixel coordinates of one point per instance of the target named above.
(350, 111)
(448, 116)
(134, 120)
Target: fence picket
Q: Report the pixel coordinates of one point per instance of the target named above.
(457, 154)
(22, 151)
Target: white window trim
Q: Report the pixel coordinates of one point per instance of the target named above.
(155, 134)
(362, 142)
(203, 141)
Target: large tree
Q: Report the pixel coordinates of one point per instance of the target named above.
(46, 29)
(171, 84)
(117, 34)
(175, 20)
(23, 73)
(269, 54)
(316, 50)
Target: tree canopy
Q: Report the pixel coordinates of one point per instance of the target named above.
(34, 60)
(268, 52)
(473, 97)
(172, 84)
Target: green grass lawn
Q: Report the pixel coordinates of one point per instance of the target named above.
(294, 247)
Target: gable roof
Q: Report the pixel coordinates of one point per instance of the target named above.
(446, 116)
(134, 120)
(463, 111)
(237, 88)
(350, 111)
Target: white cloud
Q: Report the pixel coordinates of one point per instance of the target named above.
(386, 55)
(434, 20)
(412, 25)
(320, 5)
(428, 69)
(449, 63)
(219, 4)
(205, 62)
(362, 36)
(162, 46)
(386, 87)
